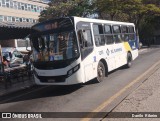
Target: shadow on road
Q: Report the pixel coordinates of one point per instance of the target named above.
(36, 92)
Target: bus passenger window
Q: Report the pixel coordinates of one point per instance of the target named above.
(131, 33)
(125, 36)
(98, 35)
(108, 34)
(117, 34)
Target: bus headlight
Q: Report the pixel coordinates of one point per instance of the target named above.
(70, 72)
(73, 70)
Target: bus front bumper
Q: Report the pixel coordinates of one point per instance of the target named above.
(75, 78)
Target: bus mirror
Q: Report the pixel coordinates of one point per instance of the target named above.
(27, 42)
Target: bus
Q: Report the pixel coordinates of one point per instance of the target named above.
(72, 50)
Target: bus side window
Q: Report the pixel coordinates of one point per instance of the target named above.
(98, 34)
(131, 33)
(124, 31)
(108, 34)
(117, 33)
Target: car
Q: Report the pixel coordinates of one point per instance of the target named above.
(13, 55)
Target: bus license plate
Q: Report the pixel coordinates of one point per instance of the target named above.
(51, 80)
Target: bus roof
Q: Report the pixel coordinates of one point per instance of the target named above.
(77, 19)
(100, 21)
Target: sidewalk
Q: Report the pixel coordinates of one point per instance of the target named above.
(145, 100)
(16, 85)
(146, 48)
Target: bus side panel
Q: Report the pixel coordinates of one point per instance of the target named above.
(110, 58)
(134, 54)
(134, 46)
(120, 55)
(79, 76)
(105, 52)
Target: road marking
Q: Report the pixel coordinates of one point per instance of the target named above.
(111, 99)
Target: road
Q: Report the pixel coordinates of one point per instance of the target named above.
(90, 97)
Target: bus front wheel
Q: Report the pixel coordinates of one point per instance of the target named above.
(100, 72)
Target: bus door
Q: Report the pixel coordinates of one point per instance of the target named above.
(87, 53)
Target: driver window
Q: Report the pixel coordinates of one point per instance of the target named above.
(80, 38)
(85, 41)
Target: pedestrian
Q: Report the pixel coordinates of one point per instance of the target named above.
(6, 62)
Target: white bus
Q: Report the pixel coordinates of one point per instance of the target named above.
(74, 50)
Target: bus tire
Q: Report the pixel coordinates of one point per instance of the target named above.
(101, 72)
(129, 60)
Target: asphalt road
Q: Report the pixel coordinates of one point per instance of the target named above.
(80, 98)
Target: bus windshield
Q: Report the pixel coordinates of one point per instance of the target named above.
(54, 46)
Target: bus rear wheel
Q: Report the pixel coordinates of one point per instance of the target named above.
(100, 72)
(129, 60)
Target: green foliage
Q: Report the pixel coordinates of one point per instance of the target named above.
(62, 8)
(82, 8)
(108, 9)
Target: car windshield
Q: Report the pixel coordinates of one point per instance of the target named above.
(56, 46)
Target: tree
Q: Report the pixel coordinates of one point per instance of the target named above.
(138, 10)
(108, 9)
(82, 8)
(62, 8)
(57, 8)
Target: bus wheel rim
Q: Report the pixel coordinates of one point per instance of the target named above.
(100, 72)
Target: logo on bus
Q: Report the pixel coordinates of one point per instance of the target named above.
(116, 50)
(101, 52)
